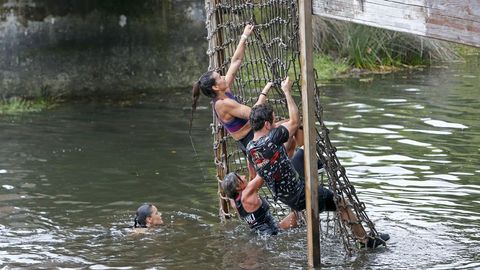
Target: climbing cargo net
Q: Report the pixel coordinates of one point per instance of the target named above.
(271, 54)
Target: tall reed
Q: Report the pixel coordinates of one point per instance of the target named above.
(370, 48)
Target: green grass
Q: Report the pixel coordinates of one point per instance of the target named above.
(18, 105)
(372, 48)
(465, 50)
(327, 67)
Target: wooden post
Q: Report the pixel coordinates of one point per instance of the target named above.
(221, 151)
(311, 167)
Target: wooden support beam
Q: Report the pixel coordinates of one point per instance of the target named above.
(451, 20)
(311, 174)
(216, 60)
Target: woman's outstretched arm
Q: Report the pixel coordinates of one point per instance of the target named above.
(263, 95)
(237, 57)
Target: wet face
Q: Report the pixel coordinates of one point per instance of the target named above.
(220, 82)
(155, 218)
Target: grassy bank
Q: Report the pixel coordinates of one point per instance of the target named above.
(467, 51)
(370, 48)
(327, 67)
(18, 105)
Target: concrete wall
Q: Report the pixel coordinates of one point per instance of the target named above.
(96, 47)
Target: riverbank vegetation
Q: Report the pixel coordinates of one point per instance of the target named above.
(18, 104)
(374, 49)
(342, 49)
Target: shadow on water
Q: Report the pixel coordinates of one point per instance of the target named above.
(72, 177)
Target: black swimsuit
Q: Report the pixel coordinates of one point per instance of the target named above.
(260, 221)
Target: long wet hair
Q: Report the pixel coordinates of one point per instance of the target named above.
(141, 215)
(230, 184)
(205, 85)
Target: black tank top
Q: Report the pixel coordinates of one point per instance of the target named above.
(260, 221)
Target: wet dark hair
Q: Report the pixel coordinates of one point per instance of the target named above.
(261, 113)
(141, 215)
(229, 185)
(205, 85)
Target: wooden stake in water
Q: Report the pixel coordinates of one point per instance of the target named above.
(311, 170)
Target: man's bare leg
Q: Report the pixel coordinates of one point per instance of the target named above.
(349, 217)
(289, 221)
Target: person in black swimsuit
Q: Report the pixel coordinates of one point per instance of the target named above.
(268, 155)
(253, 209)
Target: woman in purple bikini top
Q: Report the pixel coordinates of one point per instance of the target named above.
(232, 114)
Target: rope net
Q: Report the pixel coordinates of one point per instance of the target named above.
(272, 53)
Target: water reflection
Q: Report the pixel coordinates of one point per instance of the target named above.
(72, 178)
(416, 161)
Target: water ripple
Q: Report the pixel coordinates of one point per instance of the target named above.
(367, 130)
(409, 145)
(443, 124)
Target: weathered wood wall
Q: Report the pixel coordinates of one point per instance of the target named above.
(452, 20)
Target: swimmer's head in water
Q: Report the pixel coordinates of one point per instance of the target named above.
(147, 215)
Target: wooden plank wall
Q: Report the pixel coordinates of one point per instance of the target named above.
(452, 20)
